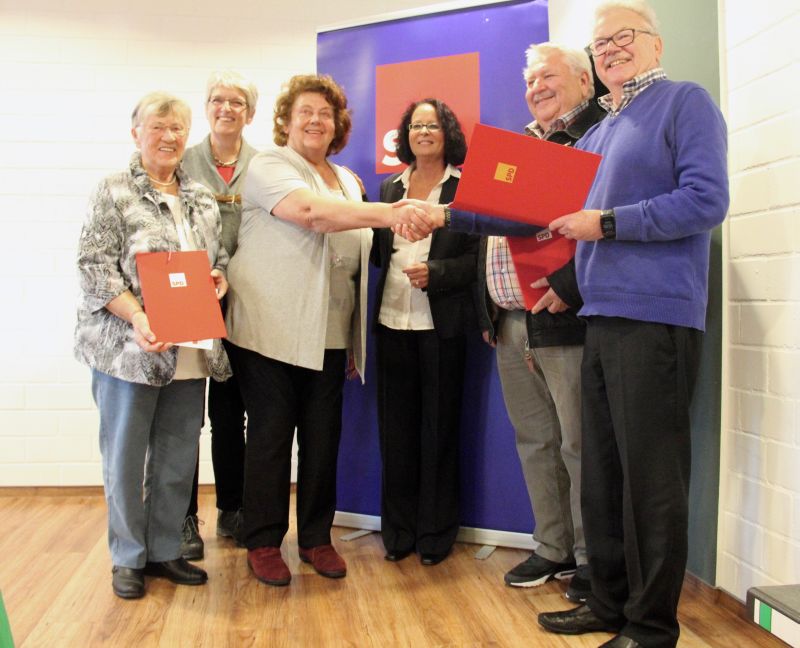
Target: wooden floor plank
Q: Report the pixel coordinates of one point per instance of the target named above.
(55, 575)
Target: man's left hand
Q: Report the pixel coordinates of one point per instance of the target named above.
(581, 225)
(550, 301)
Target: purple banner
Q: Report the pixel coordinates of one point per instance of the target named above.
(493, 493)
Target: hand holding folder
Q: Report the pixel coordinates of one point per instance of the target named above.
(526, 179)
(179, 296)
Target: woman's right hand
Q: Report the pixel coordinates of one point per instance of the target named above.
(144, 335)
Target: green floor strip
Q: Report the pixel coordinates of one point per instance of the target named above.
(6, 640)
(765, 616)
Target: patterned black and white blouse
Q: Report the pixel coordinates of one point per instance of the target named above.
(126, 216)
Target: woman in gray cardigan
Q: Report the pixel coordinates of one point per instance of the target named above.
(296, 318)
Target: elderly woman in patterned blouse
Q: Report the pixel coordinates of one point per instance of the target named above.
(149, 392)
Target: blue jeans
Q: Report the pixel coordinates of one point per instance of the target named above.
(148, 439)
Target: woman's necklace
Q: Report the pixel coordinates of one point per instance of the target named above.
(220, 163)
(162, 184)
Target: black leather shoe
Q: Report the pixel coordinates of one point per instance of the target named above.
(179, 571)
(430, 559)
(229, 525)
(192, 546)
(620, 641)
(127, 582)
(395, 556)
(575, 621)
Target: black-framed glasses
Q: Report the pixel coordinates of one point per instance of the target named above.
(622, 38)
(418, 126)
(237, 105)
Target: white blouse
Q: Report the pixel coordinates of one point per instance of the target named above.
(404, 307)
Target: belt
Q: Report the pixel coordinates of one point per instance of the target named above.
(228, 198)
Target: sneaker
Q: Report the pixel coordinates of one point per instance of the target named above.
(267, 565)
(325, 561)
(537, 571)
(580, 586)
(192, 547)
(229, 523)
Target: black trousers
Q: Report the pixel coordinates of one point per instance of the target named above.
(226, 413)
(420, 384)
(280, 397)
(637, 382)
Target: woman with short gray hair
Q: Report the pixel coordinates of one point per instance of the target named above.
(149, 392)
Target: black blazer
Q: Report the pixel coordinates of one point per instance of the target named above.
(451, 267)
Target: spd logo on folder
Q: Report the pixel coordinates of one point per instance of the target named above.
(505, 172)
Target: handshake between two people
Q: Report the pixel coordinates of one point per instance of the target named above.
(417, 223)
(416, 219)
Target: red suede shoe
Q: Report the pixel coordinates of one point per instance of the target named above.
(325, 561)
(267, 565)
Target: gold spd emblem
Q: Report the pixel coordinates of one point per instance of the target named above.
(505, 172)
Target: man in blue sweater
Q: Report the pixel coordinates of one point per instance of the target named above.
(642, 268)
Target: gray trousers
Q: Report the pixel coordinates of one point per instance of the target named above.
(148, 439)
(545, 409)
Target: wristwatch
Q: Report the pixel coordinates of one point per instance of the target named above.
(608, 224)
(446, 216)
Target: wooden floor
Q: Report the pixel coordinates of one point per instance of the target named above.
(56, 581)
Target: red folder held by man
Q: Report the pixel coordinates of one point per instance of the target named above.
(523, 178)
(179, 296)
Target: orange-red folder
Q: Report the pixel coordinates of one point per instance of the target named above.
(536, 257)
(526, 179)
(523, 178)
(179, 296)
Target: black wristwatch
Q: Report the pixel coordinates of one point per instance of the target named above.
(446, 210)
(608, 224)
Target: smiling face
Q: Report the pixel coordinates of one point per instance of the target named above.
(227, 112)
(161, 140)
(621, 64)
(423, 143)
(554, 89)
(311, 127)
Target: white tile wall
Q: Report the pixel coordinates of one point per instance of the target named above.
(71, 74)
(759, 539)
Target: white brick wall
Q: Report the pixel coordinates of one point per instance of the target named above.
(71, 74)
(759, 539)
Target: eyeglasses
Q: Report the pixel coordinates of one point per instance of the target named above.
(431, 128)
(236, 105)
(161, 129)
(622, 38)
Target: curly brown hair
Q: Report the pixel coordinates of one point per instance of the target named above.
(322, 84)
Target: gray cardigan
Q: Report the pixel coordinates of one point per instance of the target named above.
(280, 275)
(199, 164)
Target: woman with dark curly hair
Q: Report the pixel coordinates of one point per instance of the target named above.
(296, 319)
(423, 309)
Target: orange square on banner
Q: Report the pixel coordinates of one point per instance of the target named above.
(452, 79)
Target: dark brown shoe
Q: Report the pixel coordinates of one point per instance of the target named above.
(576, 621)
(127, 582)
(179, 571)
(325, 561)
(267, 566)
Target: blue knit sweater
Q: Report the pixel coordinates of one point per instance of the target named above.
(664, 173)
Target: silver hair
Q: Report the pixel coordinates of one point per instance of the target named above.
(577, 60)
(235, 81)
(161, 104)
(640, 7)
